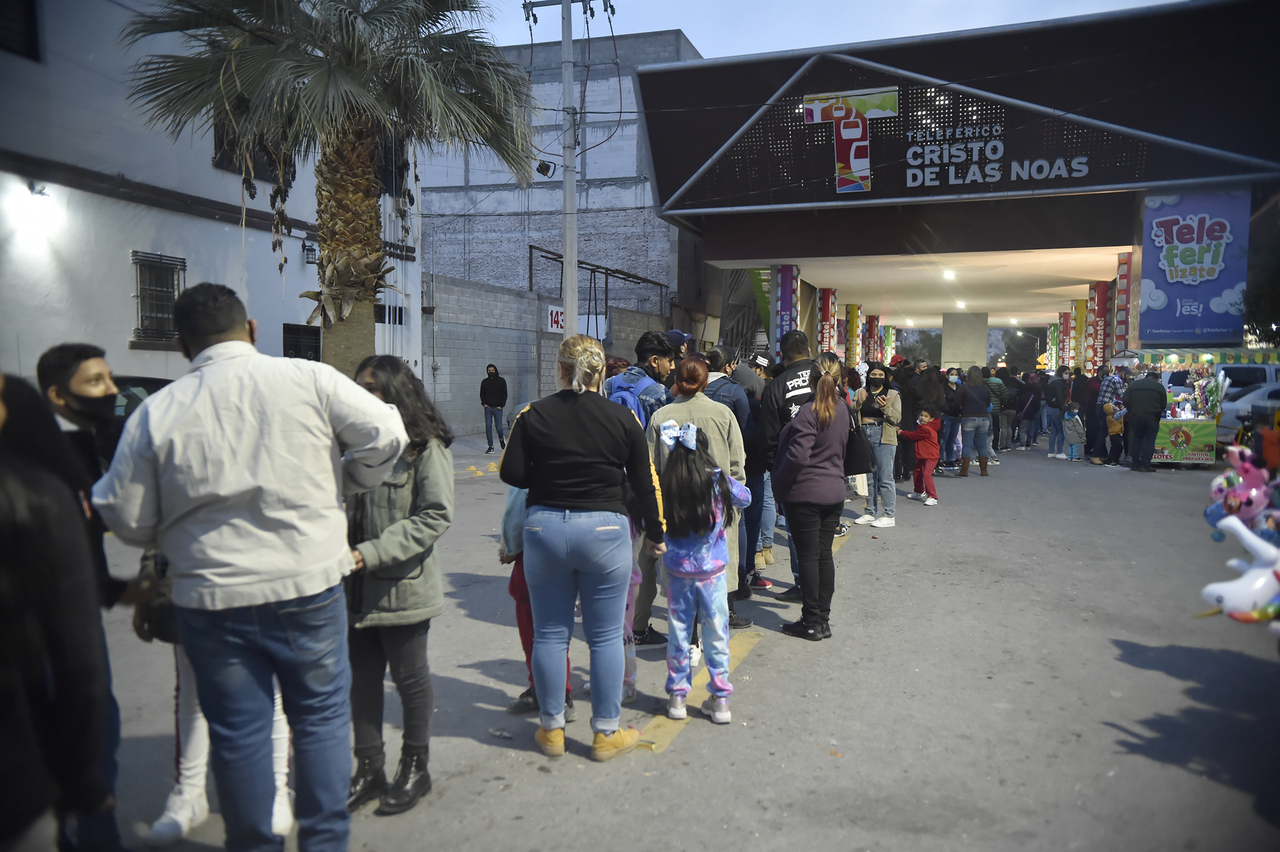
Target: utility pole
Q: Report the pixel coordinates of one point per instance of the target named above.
(569, 286)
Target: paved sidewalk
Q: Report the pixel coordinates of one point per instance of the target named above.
(1016, 668)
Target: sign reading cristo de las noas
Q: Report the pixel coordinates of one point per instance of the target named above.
(955, 155)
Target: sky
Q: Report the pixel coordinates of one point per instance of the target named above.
(734, 27)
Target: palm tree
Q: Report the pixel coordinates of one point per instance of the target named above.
(336, 80)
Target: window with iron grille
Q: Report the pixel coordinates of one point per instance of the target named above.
(302, 341)
(160, 280)
(389, 314)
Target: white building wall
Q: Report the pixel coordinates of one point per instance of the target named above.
(65, 271)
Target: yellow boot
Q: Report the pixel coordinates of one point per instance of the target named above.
(551, 742)
(767, 552)
(618, 743)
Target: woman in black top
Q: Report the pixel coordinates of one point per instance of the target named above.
(573, 451)
(975, 420)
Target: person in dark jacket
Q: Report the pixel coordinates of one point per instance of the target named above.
(999, 402)
(723, 388)
(1088, 410)
(809, 480)
(1009, 411)
(396, 589)
(53, 676)
(949, 434)
(1055, 396)
(1145, 401)
(493, 396)
(1029, 410)
(76, 380)
(791, 388)
(975, 421)
(907, 374)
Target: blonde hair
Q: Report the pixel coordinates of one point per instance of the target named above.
(584, 355)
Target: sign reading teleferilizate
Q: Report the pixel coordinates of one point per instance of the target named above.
(1195, 251)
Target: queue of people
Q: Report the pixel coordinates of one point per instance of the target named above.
(291, 538)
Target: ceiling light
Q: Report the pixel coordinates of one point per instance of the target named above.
(959, 304)
(910, 322)
(949, 275)
(1013, 321)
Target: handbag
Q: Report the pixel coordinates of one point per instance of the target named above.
(858, 455)
(154, 617)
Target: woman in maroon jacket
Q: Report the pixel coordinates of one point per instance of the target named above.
(808, 477)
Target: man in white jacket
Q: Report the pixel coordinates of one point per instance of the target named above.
(236, 472)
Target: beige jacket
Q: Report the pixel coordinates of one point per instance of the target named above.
(892, 414)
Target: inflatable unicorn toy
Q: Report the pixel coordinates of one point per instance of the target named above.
(1254, 597)
(1243, 492)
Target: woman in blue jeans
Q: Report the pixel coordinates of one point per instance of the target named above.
(574, 451)
(879, 409)
(975, 421)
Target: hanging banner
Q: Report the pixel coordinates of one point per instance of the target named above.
(787, 282)
(1081, 319)
(853, 335)
(1095, 335)
(1195, 251)
(1120, 334)
(872, 349)
(1051, 353)
(1064, 337)
(890, 343)
(826, 320)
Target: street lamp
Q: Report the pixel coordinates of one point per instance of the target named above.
(1036, 337)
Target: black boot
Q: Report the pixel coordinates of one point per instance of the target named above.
(411, 784)
(369, 782)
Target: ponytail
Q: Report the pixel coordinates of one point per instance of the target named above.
(827, 391)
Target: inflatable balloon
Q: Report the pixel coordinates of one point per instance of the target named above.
(1255, 595)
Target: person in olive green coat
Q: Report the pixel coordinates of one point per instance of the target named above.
(396, 589)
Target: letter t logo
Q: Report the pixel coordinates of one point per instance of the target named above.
(849, 112)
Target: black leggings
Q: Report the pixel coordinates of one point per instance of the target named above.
(403, 649)
(812, 527)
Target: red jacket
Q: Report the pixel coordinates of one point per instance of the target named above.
(926, 440)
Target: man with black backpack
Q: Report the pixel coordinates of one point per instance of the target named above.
(640, 387)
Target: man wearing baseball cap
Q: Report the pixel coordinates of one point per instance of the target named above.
(680, 342)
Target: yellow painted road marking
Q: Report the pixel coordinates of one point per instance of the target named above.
(659, 733)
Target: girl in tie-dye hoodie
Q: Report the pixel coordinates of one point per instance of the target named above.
(696, 496)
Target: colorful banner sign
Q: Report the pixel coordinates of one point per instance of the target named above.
(1120, 334)
(890, 343)
(872, 343)
(826, 320)
(1079, 318)
(1052, 352)
(1095, 335)
(1064, 337)
(847, 113)
(1188, 441)
(853, 335)
(786, 281)
(1195, 251)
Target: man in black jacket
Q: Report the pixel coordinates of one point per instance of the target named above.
(1145, 400)
(76, 380)
(780, 402)
(1055, 397)
(493, 396)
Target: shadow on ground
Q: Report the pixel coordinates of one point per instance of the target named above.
(1231, 739)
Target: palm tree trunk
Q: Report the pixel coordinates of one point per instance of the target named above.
(349, 225)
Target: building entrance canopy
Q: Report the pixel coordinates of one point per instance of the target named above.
(876, 167)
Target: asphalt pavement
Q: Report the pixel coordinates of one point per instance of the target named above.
(1015, 668)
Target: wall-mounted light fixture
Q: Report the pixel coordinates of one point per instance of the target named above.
(546, 169)
(37, 188)
(310, 253)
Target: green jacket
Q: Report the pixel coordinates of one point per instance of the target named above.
(1000, 399)
(395, 528)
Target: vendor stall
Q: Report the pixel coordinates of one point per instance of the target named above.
(1191, 441)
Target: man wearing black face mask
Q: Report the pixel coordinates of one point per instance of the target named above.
(76, 380)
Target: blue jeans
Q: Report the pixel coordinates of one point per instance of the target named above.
(707, 602)
(492, 419)
(1073, 451)
(1057, 437)
(949, 437)
(768, 513)
(1044, 416)
(751, 517)
(973, 431)
(568, 554)
(882, 493)
(234, 653)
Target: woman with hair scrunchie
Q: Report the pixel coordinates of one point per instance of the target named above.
(573, 451)
(808, 477)
(396, 589)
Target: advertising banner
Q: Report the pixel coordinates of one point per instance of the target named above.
(1051, 349)
(1120, 334)
(826, 320)
(1095, 335)
(853, 335)
(1190, 441)
(787, 282)
(872, 345)
(1064, 337)
(890, 342)
(1195, 251)
(1080, 317)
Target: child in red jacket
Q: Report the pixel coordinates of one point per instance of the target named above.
(927, 453)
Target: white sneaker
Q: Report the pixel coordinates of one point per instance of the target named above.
(695, 658)
(1062, 456)
(182, 813)
(282, 822)
(675, 707)
(718, 710)
(865, 519)
(1053, 455)
(914, 495)
(881, 523)
(932, 501)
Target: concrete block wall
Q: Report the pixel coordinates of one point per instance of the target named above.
(625, 328)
